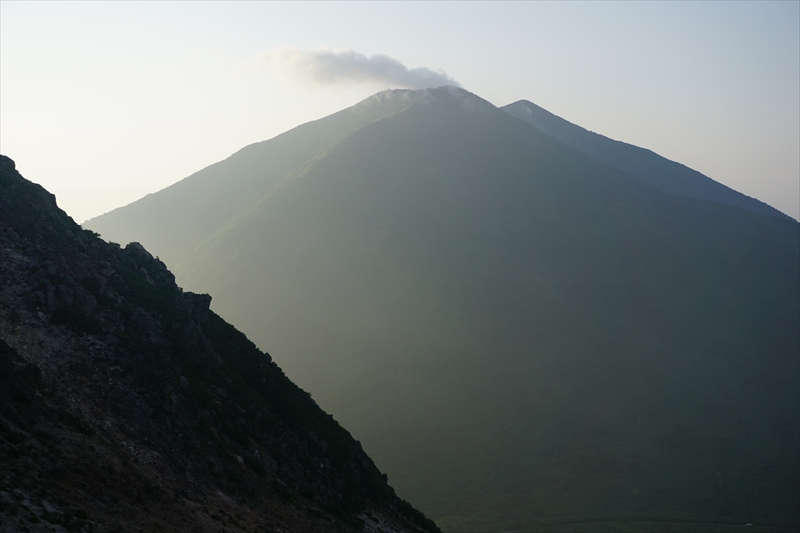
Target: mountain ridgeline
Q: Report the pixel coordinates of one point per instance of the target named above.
(522, 333)
(648, 166)
(127, 405)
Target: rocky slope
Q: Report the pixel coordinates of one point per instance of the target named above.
(127, 405)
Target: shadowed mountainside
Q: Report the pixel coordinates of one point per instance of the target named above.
(521, 335)
(127, 405)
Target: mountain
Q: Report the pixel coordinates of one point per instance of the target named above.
(641, 163)
(127, 405)
(522, 336)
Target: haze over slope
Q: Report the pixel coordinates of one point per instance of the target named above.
(516, 332)
(217, 194)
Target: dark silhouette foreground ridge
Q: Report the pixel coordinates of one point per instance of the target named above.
(127, 405)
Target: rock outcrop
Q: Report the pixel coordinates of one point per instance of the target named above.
(127, 405)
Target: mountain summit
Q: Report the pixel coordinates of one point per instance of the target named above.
(521, 334)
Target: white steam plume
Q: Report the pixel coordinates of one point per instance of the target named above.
(347, 67)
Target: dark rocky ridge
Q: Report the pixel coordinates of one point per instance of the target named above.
(127, 405)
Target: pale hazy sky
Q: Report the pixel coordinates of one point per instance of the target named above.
(104, 102)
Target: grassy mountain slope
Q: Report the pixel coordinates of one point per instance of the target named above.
(520, 334)
(644, 164)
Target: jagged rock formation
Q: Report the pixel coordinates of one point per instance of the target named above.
(127, 405)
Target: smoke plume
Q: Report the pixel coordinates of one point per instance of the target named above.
(323, 67)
